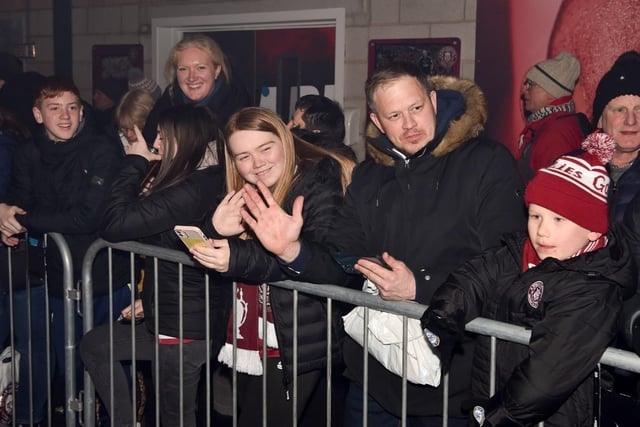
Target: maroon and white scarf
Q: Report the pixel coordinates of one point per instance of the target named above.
(530, 258)
(249, 330)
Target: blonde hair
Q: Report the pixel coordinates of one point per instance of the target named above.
(202, 42)
(134, 108)
(299, 155)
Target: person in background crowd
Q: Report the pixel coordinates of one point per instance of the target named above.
(553, 126)
(433, 195)
(263, 155)
(59, 183)
(320, 121)
(17, 96)
(13, 133)
(132, 111)
(137, 80)
(10, 66)
(198, 73)
(185, 191)
(565, 282)
(616, 110)
(106, 96)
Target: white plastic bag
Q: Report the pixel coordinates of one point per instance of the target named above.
(6, 384)
(385, 343)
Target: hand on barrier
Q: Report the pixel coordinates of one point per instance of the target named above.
(9, 225)
(442, 335)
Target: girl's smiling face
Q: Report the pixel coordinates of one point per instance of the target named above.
(257, 155)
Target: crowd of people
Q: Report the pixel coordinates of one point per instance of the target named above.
(547, 240)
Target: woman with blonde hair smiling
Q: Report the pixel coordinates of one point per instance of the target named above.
(263, 154)
(198, 72)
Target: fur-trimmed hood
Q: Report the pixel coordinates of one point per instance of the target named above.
(462, 114)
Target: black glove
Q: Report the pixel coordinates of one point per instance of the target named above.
(442, 335)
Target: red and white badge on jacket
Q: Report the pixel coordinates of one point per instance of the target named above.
(534, 294)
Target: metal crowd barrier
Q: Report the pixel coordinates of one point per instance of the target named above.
(69, 342)
(85, 402)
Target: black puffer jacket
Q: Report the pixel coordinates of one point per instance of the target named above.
(64, 188)
(432, 211)
(151, 220)
(320, 184)
(622, 192)
(226, 100)
(572, 322)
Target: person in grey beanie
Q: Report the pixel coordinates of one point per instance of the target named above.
(553, 127)
(137, 80)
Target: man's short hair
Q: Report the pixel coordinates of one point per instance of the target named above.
(54, 86)
(323, 115)
(394, 71)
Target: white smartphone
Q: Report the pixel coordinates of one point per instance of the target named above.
(190, 235)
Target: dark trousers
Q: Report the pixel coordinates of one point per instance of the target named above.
(95, 349)
(377, 416)
(101, 315)
(279, 398)
(32, 382)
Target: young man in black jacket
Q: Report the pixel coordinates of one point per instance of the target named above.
(59, 183)
(432, 195)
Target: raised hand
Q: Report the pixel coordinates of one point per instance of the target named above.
(227, 219)
(140, 147)
(276, 229)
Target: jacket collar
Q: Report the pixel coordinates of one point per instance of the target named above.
(462, 113)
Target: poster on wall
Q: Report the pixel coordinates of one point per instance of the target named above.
(111, 64)
(434, 55)
(512, 36)
(278, 66)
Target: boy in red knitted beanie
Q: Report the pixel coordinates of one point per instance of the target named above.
(564, 281)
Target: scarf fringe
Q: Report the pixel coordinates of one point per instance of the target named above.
(272, 339)
(248, 361)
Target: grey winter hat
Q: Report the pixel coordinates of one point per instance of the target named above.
(557, 75)
(137, 80)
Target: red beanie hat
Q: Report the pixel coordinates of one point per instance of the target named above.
(576, 187)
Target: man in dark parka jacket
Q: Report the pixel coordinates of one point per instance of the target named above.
(432, 195)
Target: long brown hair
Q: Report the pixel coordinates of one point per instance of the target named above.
(189, 131)
(299, 155)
